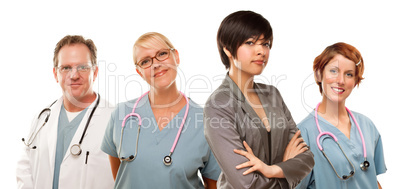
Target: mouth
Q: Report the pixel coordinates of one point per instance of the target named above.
(75, 84)
(160, 73)
(260, 62)
(338, 90)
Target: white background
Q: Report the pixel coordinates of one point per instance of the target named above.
(302, 29)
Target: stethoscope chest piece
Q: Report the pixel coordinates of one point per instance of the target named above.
(364, 165)
(167, 160)
(75, 150)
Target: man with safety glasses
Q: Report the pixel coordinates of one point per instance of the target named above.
(62, 149)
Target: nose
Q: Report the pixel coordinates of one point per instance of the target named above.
(261, 50)
(74, 74)
(156, 63)
(340, 79)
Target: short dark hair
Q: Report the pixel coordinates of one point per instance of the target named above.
(74, 39)
(239, 26)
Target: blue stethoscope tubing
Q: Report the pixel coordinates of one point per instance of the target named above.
(167, 160)
(363, 166)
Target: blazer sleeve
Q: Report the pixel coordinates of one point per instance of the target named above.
(223, 138)
(300, 166)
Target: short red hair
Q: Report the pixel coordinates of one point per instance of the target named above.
(344, 49)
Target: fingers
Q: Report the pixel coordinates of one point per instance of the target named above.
(299, 141)
(244, 165)
(240, 152)
(252, 169)
(249, 150)
(296, 136)
(301, 145)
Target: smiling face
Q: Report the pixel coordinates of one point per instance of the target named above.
(76, 85)
(338, 79)
(252, 57)
(161, 74)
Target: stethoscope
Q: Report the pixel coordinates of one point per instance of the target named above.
(33, 134)
(75, 148)
(167, 160)
(363, 166)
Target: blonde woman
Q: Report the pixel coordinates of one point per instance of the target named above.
(157, 140)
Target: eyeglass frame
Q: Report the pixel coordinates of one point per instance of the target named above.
(90, 67)
(154, 57)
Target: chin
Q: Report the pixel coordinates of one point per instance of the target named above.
(336, 99)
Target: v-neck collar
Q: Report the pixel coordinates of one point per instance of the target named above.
(160, 134)
(76, 120)
(352, 142)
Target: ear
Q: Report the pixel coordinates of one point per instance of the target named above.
(55, 74)
(317, 76)
(227, 52)
(176, 56)
(95, 73)
(139, 72)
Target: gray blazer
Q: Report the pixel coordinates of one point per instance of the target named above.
(229, 120)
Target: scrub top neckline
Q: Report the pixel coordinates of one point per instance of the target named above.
(338, 132)
(168, 125)
(352, 143)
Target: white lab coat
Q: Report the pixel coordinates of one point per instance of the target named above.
(35, 168)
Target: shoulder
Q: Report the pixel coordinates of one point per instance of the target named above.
(362, 117)
(220, 96)
(195, 107)
(221, 101)
(105, 106)
(364, 122)
(269, 90)
(55, 103)
(308, 128)
(123, 108)
(307, 123)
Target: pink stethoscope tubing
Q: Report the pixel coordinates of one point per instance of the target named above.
(333, 136)
(363, 165)
(167, 159)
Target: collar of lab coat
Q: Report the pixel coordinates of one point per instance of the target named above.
(53, 125)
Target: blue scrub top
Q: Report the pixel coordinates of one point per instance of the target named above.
(65, 133)
(323, 176)
(191, 154)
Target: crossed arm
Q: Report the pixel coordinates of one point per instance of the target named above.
(295, 147)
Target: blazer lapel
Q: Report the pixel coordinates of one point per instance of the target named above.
(269, 103)
(250, 113)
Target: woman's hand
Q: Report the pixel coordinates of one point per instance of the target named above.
(256, 164)
(295, 147)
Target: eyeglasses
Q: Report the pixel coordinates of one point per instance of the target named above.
(80, 69)
(160, 56)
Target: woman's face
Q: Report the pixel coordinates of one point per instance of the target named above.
(252, 56)
(338, 79)
(161, 74)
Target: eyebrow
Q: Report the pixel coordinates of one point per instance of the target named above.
(333, 66)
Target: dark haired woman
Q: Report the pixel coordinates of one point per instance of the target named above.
(247, 125)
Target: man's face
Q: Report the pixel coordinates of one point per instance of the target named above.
(75, 73)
